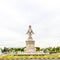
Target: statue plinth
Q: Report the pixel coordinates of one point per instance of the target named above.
(30, 43)
(30, 46)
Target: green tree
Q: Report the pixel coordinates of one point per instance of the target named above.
(37, 48)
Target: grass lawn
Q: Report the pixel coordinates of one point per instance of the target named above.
(32, 56)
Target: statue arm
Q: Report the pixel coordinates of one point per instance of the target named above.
(27, 32)
(32, 32)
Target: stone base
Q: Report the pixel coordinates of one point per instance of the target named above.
(30, 50)
(30, 46)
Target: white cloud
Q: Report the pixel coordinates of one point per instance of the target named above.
(16, 15)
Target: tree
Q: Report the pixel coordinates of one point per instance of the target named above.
(37, 48)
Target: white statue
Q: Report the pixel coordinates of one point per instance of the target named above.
(30, 32)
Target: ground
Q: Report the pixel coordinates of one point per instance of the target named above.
(32, 56)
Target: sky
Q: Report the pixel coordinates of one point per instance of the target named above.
(17, 15)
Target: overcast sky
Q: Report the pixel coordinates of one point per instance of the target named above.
(17, 15)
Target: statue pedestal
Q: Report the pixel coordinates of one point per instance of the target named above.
(30, 43)
(30, 46)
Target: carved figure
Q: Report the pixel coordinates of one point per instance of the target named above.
(30, 32)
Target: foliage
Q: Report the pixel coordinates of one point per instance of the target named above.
(52, 49)
(49, 49)
(37, 48)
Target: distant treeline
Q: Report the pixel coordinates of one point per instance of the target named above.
(45, 50)
(52, 49)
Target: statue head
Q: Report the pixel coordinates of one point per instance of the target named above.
(29, 26)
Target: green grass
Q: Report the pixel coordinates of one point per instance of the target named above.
(32, 56)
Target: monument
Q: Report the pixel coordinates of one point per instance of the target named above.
(30, 43)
